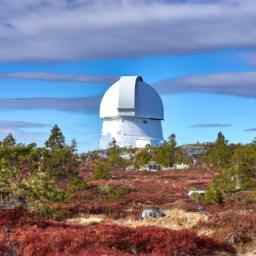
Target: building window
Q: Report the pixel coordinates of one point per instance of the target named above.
(145, 121)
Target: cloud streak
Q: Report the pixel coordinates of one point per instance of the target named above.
(249, 58)
(250, 130)
(6, 124)
(58, 77)
(24, 136)
(212, 125)
(84, 104)
(44, 30)
(18, 129)
(237, 84)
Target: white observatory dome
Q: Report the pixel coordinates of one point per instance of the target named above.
(131, 111)
(130, 96)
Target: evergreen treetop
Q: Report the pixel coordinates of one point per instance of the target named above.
(56, 139)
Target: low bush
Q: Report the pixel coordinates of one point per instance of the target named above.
(213, 195)
(233, 225)
(112, 192)
(31, 235)
(198, 198)
(74, 186)
(101, 171)
(113, 240)
(53, 212)
(142, 158)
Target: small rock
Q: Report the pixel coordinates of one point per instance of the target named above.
(152, 213)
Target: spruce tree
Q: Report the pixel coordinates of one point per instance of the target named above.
(172, 149)
(73, 145)
(56, 139)
(9, 141)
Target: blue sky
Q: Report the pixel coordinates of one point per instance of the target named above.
(57, 59)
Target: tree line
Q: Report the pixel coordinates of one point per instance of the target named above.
(29, 175)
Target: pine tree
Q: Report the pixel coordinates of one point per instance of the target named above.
(142, 158)
(220, 154)
(9, 141)
(114, 154)
(165, 154)
(172, 149)
(73, 145)
(179, 156)
(254, 141)
(56, 139)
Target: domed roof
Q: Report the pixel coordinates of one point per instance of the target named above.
(131, 96)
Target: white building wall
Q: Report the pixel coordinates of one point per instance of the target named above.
(131, 131)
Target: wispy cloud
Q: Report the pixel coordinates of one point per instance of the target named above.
(249, 57)
(210, 125)
(45, 30)
(83, 104)
(238, 84)
(24, 136)
(7, 124)
(20, 132)
(250, 130)
(58, 77)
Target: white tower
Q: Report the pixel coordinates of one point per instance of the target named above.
(132, 112)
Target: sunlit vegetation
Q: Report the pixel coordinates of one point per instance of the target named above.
(42, 185)
(41, 237)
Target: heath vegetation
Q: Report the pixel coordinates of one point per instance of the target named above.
(42, 187)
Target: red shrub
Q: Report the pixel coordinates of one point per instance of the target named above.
(231, 223)
(17, 216)
(113, 240)
(3, 241)
(29, 235)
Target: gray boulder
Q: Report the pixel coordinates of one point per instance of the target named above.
(152, 213)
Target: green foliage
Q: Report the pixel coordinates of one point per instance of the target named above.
(56, 139)
(114, 155)
(165, 154)
(242, 174)
(73, 145)
(172, 149)
(91, 156)
(28, 174)
(162, 154)
(237, 174)
(8, 178)
(180, 156)
(9, 141)
(52, 211)
(39, 192)
(111, 193)
(33, 190)
(21, 155)
(213, 195)
(76, 184)
(61, 162)
(38, 186)
(220, 154)
(197, 197)
(101, 171)
(142, 158)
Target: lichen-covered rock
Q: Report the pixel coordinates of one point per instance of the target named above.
(152, 213)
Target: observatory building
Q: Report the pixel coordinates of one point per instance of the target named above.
(131, 111)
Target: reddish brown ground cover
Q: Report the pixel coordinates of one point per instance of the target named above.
(24, 234)
(234, 221)
(145, 189)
